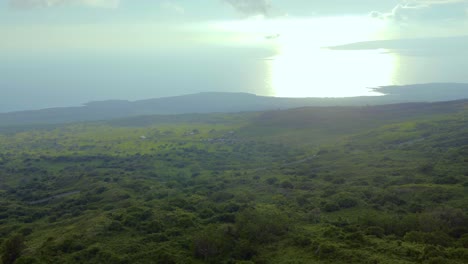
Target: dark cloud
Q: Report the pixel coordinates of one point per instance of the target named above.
(251, 7)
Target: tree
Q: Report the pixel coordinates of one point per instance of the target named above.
(212, 244)
(12, 249)
(262, 224)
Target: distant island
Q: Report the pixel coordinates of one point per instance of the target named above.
(222, 102)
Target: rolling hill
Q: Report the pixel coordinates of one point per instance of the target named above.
(226, 102)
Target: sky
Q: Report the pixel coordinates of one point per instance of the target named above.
(74, 47)
(41, 26)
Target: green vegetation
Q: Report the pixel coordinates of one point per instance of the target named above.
(381, 184)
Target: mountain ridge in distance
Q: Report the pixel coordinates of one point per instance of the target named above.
(224, 102)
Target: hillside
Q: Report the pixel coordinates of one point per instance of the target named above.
(364, 184)
(227, 102)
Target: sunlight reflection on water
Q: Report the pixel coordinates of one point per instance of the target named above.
(330, 73)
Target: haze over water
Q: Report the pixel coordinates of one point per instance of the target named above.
(67, 53)
(69, 81)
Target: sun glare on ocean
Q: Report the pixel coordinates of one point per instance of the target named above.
(324, 73)
(304, 67)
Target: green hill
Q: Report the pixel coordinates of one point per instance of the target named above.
(372, 184)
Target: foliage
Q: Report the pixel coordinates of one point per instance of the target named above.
(361, 185)
(12, 249)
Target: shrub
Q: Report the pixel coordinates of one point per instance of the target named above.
(244, 250)
(414, 236)
(326, 250)
(375, 231)
(271, 180)
(211, 245)
(12, 249)
(262, 225)
(287, 185)
(330, 207)
(346, 202)
(464, 241)
(26, 260)
(301, 241)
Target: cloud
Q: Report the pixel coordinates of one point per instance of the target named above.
(101, 3)
(30, 4)
(251, 7)
(424, 10)
(173, 7)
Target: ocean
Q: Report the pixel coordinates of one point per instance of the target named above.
(35, 82)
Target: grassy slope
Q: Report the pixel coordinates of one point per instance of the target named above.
(311, 185)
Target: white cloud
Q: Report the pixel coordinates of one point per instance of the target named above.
(173, 7)
(101, 3)
(426, 10)
(30, 4)
(251, 7)
(430, 2)
(425, 19)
